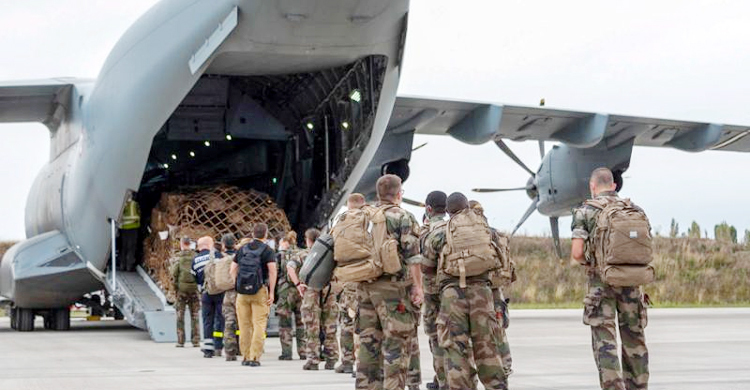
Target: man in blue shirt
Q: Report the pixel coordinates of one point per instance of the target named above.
(213, 320)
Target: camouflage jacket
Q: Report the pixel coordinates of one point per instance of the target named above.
(583, 225)
(285, 258)
(403, 227)
(429, 255)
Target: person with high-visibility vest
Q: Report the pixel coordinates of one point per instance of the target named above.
(129, 226)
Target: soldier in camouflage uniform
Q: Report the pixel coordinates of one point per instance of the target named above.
(289, 303)
(414, 371)
(608, 308)
(187, 293)
(347, 315)
(228, 308)
(501, 304)
(467, 321)
(435, 218)
(388, 306)
(319, 313)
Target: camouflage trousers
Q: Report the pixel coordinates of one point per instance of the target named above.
(414, 371)
(319, 314)
(467, 322)
(603, 306)
(501, 310)
(347, 322)
(192, 302)
(431, 309)
(231, 329)
(387, 322)
(288, 309)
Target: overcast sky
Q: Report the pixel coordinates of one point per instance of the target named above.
(668, 59)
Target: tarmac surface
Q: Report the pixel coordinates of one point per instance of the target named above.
(689, 349)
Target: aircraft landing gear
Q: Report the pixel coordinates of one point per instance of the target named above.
(57, 319)
(24, 319)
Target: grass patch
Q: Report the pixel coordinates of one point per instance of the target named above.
(689, 273)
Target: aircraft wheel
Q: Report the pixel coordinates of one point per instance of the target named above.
(25, 321)
(60, 319)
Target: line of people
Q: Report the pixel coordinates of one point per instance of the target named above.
(448, 274)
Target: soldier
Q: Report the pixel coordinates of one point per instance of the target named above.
(187, 293)
(289, 302)
(434, 220)
(348, 307)
(388, 305)
(607, 307)
(501, 303)
(319, 313)
(467, 319)
(213, 320)
(231, 330)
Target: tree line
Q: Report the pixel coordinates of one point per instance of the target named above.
(722, 232)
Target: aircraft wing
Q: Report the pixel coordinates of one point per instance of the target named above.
(42, 101)
(477, 123)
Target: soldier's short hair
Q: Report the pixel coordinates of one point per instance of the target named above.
(475, 205)
(291, 237)
(457, 202)
(260, 230)
(437, 200)
(312, 234)
(228, 240)
(388, 187)
(602, 177)
(355, 201)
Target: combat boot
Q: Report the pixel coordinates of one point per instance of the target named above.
(432, 385)
(344, 369)
(217, 352)
(413, 387)
(330, 364)
(180, 345)
(285, 357)
(231, 357)
(310, 366)
(208, 354)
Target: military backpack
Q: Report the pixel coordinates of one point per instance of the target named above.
(469, 249)
(365, 249)
(621, 243)
(217, 276)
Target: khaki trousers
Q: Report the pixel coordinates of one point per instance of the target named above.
(252, 316)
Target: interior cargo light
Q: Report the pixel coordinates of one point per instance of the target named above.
(192, 154)
(207, 143)
(274, 180)
(229, 137)
(166, 166)
(345, 125)
(355, 95)
(310, 126)
(174, 157)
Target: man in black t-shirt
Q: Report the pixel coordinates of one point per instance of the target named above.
(253, 308)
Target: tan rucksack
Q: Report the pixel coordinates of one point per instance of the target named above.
(505, 274)
(369, 230)
(469, 249)
(217, 275)
(352, 240)
(621, 243)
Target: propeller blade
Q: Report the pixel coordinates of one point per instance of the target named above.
(498, 189)
(412, 202)
(541, 149)
(419, 147)
(500, 144)
(555, 227)
(526, 215)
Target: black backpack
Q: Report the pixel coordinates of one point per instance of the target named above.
(250, 275)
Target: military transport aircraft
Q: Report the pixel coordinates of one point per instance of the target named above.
(293, 98)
